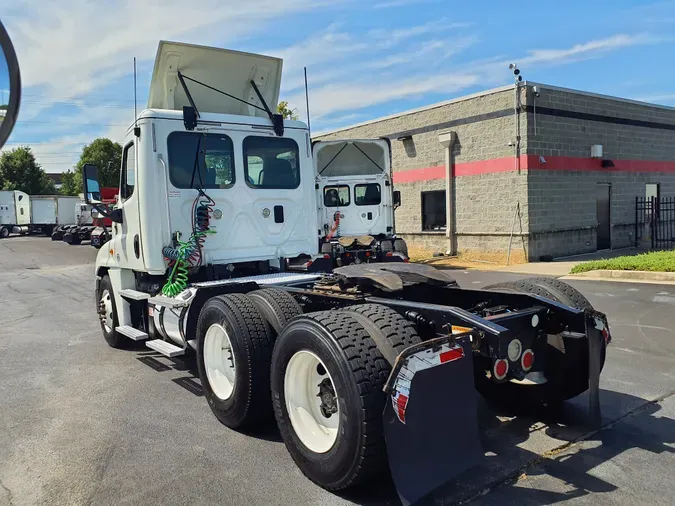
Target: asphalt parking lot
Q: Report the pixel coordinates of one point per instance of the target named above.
(85, 424)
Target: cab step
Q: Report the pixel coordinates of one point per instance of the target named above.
(165, 348)
(131, 332)
(134, 294)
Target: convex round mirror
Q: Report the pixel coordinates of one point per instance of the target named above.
(10, 86)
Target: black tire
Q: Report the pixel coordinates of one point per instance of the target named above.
(567, 374)
(551, 288)
(398, 331)
(252, 342)
(4, 232)
(278, 307)
(401, 246)
(113, 338)
(359, 372)
(57, 236)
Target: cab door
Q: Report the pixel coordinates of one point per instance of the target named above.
(127, 238)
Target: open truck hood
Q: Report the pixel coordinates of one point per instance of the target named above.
(352, 157)
(225, 70)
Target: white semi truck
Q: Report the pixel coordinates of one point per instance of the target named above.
(356, 201)
(14, 212)
(368, 369)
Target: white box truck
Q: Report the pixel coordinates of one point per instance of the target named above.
(14, 212)
(48, 211)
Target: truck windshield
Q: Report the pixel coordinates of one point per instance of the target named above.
(216, 160)
(271, 163)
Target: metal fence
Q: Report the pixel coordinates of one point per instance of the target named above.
(656, 217)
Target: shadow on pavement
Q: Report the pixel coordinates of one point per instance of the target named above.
(517, 441)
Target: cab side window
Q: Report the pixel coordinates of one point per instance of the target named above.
(128, 175)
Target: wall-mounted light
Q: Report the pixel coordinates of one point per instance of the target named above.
(607, 163)
(404, 138)
(596, 151)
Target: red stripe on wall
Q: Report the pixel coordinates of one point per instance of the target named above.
(532, 162)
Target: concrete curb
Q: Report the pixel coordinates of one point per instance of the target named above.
(629, 276)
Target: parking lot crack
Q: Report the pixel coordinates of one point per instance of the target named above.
(10, 496)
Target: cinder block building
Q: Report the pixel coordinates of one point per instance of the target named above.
(535, 170)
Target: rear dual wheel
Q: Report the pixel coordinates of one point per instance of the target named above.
(327, 379)
(235, 337)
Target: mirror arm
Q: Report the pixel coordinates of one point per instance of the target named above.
(114, 215)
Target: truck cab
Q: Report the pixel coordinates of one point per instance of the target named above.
(356, 201)
(220, 179)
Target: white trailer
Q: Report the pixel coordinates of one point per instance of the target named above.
(14, 212)
(49, 211)
(356, 201)
(361, 366)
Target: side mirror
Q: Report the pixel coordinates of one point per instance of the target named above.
(397, 199)
(92, 190)
(10, 80)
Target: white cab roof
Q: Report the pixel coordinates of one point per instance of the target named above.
(225, 70)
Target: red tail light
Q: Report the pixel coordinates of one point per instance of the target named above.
(527, 360)
(326, 255)
(367, 253)
(500, 369)
(389, 254)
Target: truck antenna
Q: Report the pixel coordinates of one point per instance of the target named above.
(309, 128)
(136, 130)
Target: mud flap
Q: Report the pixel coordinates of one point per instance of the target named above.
(430, 419)
(597, 333)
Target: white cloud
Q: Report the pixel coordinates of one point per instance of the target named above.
(586, 50)
(71, 50)
(349, 94)
(398, 3)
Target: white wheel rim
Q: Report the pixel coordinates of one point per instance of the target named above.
(106, 310)
(317, 431)
(219, 362)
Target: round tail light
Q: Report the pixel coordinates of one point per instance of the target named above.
(527, 360)
(514, 350)
(500, 369)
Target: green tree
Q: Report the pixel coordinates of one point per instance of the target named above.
(287, 113)
(20, 171)
(69, 183)
(107, 156)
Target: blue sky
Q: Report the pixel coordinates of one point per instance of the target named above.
(365, 58)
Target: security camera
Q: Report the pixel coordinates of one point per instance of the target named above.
(512, 66)
(516, 72)
(535, 90)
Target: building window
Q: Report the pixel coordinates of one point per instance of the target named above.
(367, 194)
(433, 210)
(336, 196)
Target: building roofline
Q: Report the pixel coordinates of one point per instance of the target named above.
(419, 109)
(601, 95)
(491, 92)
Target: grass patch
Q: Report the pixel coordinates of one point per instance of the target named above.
(656, 261)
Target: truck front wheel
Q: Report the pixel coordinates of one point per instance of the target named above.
(234, 350)
(327, 378)
(4, 232)
(107, 314)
